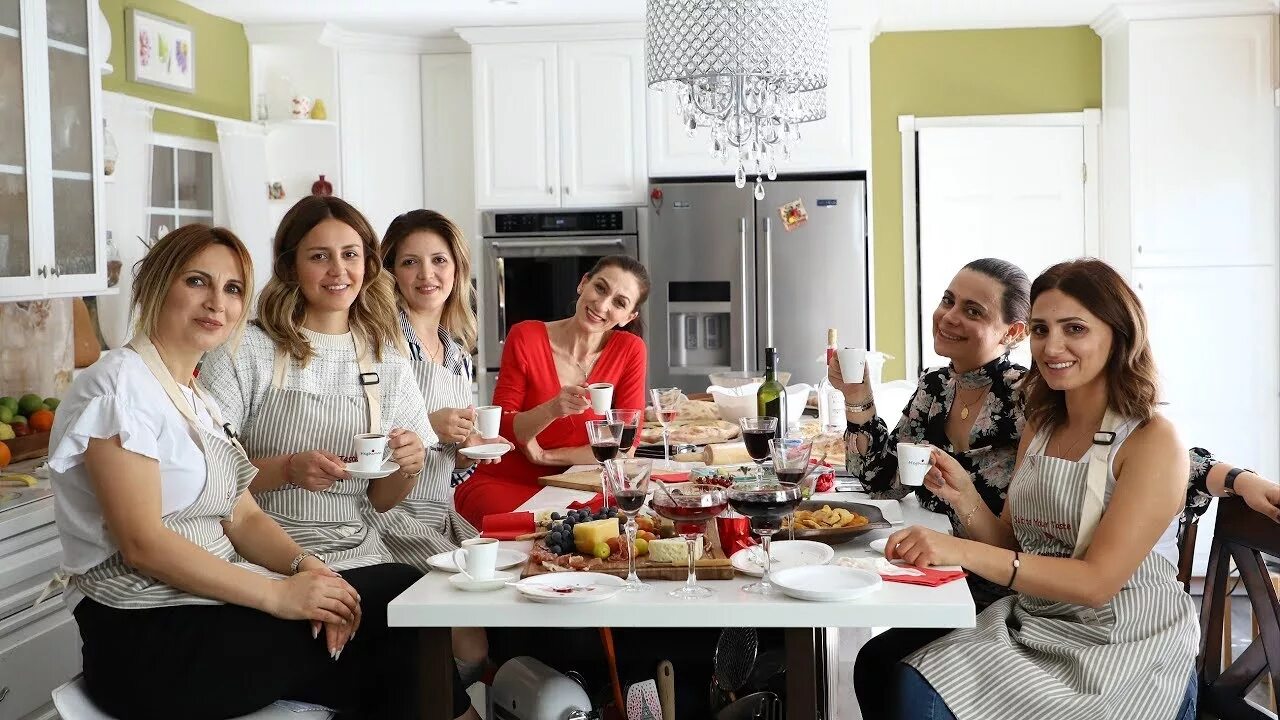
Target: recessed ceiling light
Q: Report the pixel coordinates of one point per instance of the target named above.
(504, 2)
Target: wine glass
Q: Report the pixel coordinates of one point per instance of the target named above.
(664, 406)
(690, 506)
(630, 482)
(756, 434)
(767, 503)
(605, 437)
(630, 420)
(791, 465)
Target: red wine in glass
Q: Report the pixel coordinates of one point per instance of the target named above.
(757, 442)
(686, 515)
(788, 476)
(628, 438)
(667, 416)
(604, 451)
(629, 501)
(767, 509)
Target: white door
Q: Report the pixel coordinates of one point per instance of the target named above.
(1011, 192)
(602, 123)
(517, 144)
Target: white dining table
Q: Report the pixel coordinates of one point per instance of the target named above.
(434, 605)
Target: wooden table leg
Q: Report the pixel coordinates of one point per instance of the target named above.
(802, 675)
(437, 687)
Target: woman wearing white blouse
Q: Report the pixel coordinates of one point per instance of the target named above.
(158, 532)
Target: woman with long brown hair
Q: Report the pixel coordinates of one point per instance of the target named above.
(1099, 624)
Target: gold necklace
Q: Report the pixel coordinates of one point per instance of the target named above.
(1068, 454)
(964, 407)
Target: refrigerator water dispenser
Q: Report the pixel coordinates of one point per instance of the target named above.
(698, 316)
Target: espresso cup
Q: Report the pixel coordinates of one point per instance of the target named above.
(601, 397)
(371, 451)
(914, 460)
(853, 364)
(477, 558)
(488, 420)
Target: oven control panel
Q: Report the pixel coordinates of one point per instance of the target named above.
(519, 223)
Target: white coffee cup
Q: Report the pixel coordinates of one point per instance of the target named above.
(477, 558)
(488, 420)
(601, 397)
(914, 460)
(371, 451)
(853, 364)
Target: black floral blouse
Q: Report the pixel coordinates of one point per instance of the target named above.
(993, 446)
(993, 441)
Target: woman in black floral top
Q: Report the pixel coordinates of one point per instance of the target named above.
(972, 409)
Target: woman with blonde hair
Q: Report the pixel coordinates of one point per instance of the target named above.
(1099, 624)
(159, 533)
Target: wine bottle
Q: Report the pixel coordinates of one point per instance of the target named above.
(771, 398)
(830, 399)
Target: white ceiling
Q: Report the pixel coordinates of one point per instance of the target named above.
(435, 18)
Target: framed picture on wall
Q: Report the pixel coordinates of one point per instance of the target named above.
(161, 52)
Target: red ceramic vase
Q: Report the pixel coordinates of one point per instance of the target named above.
(322, 187)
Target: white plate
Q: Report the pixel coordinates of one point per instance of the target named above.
(507, 558)
(786, 554)
(499, 579)
(570, 587)
(387, 468)
(826, 583)
(879, 545)
(485, 452)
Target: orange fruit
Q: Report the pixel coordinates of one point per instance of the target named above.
(5, 455)
(41, 420)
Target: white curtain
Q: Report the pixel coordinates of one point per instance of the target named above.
(129, 122)
(243, 151)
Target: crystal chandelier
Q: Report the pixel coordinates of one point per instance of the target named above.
(750, 70)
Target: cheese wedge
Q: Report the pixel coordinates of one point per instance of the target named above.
(589, 534)
(672, 550)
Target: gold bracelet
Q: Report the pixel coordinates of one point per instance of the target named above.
(968, 517)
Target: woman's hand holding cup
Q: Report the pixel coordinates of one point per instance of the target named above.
(571, 400)
(453, 425)
(854, 391)
(314, 470)
(948, 479)
(407, 450)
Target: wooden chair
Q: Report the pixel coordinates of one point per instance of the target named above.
(1241, 535)
(1187, 528)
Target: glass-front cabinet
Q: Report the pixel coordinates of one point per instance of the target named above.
(51, 239)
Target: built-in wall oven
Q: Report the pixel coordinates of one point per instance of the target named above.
(534, 260)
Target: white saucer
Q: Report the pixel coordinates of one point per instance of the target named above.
(786, 554)
(507, 558)
(566, 588)
(879, 545)
(485, 452)
(826, 583)
(499, 579)
(387, 468)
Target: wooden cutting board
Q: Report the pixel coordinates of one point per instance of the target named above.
(713, 565)
(586, 480)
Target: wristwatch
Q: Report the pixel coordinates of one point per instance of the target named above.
(1229, 483)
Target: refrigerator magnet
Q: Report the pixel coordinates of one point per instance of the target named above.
(793, 214)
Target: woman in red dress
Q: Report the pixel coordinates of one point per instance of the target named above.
(542, 385)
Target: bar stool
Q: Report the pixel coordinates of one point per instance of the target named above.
(73, 703)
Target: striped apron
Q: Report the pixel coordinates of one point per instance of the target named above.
(425, 523)
(227, 476)
(1035, 658)
(329, 524)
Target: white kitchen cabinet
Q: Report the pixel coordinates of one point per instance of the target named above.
(840, 141)
(517, 136)
(559, 123)
(51, 240)
(602, 123)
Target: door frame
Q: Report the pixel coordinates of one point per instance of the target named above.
(1090, 120)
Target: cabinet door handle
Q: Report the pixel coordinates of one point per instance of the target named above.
(56, 271)
(43, 271)
(566, 189)
(551, 190)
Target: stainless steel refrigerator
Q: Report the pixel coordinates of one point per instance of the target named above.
(730, 279)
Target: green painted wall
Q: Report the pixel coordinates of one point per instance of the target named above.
(970, 72)
(222, 67)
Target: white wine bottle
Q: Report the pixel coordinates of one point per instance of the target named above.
(830, 399)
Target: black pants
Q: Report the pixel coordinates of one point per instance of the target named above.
(875, 670)
(209, 662)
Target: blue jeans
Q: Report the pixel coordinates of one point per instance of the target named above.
(917, 700)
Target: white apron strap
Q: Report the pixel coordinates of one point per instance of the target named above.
(146, 350)
(1096, 482)
(370, 383)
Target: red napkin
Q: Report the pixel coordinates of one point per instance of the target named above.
(932, 577)
(671, 477)
(594, 504)
(507, 526)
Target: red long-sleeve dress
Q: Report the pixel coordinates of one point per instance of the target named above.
(527, 378)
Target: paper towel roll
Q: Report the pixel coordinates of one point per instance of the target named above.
(726, 454)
